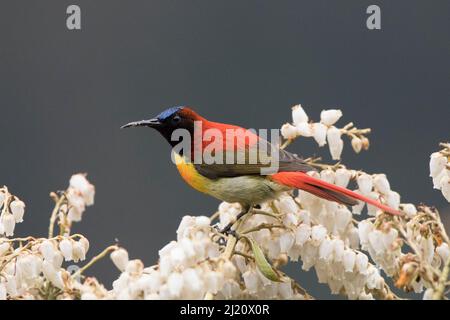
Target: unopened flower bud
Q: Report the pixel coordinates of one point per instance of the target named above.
(409, 209)
(357, 144)
(365, 143)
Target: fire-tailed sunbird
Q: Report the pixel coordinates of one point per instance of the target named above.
(243, 182)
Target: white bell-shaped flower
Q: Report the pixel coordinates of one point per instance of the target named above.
(120, 258)
(9, 223)
(251, 281)
(175, 284)
(330, 117)
(320, 133)
(318, 233)
(409, 209)
(17, 209)
(365, 183)
(381, 183)
(80, 183)
(393, 199)
(342, 177)
(304, 129)
(286, 205)
(335, 142)
(79, 252)
(299, 115)
(288, 131)
(326, 250)
(302, 234)
(445, 187)
(47, 250)
(328, 175)
(338, 250)
(66, 247)
(437, 163)
(365, 227)
(286, 241)
(361, 262)
(349, 260)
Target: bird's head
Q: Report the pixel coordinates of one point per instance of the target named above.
(179, 117)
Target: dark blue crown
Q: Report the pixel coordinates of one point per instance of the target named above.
(168, 112)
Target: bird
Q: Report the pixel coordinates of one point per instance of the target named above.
(242, 182)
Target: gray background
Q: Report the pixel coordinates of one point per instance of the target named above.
(64, 95)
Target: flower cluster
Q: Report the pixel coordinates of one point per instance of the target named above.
(32, 268)
(287, 230)
(12, 211)
(190, 268)
(440, 170)
(235, 256)
(325, 131)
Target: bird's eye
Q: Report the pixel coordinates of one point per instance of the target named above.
(176, 119)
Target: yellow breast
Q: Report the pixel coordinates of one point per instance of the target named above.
(190, 174)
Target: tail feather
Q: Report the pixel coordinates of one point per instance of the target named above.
(325, 190)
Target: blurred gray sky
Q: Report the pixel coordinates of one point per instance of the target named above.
(64, 95)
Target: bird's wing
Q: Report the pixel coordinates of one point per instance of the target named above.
(253, 162)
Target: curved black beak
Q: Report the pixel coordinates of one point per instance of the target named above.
(152, 123)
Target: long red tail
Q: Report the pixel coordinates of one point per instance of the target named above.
(329, 191)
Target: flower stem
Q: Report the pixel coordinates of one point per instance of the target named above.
(54, 215)
(98, 257)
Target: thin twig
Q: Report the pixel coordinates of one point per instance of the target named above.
(55, 214)
(98, 257)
